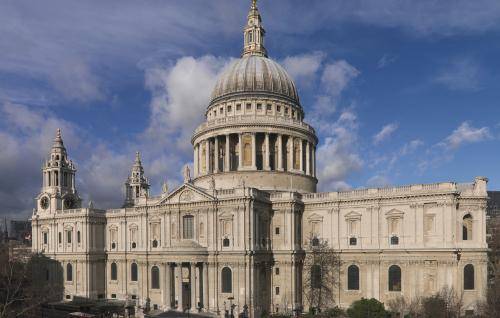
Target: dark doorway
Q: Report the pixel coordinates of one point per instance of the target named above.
(186, 296)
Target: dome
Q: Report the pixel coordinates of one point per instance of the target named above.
(255, 74)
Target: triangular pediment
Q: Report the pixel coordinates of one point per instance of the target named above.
(187, 193)
(315, 217)
(353, 215)
(394, 213)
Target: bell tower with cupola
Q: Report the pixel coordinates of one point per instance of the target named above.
(58, 186)
(137, 185)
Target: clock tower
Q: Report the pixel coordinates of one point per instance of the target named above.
(58, 186)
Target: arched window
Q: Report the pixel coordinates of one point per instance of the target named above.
(467, 227)
(469, 277)
(227, 280)
(69, 272)
(353, 277)
(133, 272)
(394, 278)
(114, 271)
(187, 227)
(316, 276)
(155, 277)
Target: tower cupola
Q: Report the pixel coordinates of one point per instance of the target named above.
(254, 33)
(137, 185)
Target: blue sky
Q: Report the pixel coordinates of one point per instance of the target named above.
(399, 91)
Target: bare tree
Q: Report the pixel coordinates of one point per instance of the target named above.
(321, 274)
(491, 306)
(21, 288)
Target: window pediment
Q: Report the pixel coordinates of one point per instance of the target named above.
(394, 213)
(353, 216)
(315, 217)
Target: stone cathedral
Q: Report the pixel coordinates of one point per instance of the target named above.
(237, 231)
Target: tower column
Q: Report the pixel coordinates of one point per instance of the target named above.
(254, 152)
(227, 163)
(240, 147)
(267, 154)
(207, 156)
(280, 152)
(216, 155)
(308, 159)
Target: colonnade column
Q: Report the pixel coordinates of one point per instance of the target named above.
(192, 281)
(240, 146)
(313, 162)
(254, 152)
(227, 163)
(267, 153)
(195, 160)
(207, 156)
(291, 167)
(301, 156)
(280, 152)
(308, 156)
(216, 155)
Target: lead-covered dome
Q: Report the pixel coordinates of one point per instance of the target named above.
(255, 74)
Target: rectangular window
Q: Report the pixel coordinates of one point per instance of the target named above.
(269, 107)
(277, 270)
(78, 237)
(113, 295)
(249, 106)
(221, 110)
(229, 108)
(60, 237)
(278, 108)
(277, 231)
(187, 227)
(68, 236)
(277, 290)
(238, 107)
(45, 238)
(259, 106)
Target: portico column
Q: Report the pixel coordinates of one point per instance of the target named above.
(240, 146)
(227, 163)
(216, 155)
(302, 156)
(280, 152)
(267, 154)
(207, 156)
(168, 285)
(254, 152)
(205, 287)
(192, 281)
(178, 285)
(308, 158)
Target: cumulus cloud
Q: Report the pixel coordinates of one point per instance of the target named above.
(460, 75)
(303, 68)
(336, 76)
(337, 157)
(465, 134)
(181, 94)
(385, 132)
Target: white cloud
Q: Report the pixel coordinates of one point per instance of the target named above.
(461, 74)
(180, 96)
(378, 181)
(336, 76)
(303, 68)
(465, 134)
(386, 60)
(385, 133)
(337, 156)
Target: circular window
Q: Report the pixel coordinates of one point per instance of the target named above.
(44, 203)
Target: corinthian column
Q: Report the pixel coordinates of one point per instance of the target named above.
(228, 155)
(254, 152)
(308, 159)
(280, 152)
(267, 153)
(207, 156)
(301, 156)
(192, 281)
(216, 155)
(195, 160)
(240, 146)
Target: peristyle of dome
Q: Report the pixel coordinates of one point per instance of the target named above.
(255, 74)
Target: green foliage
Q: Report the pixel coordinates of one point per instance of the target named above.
(367, 308)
